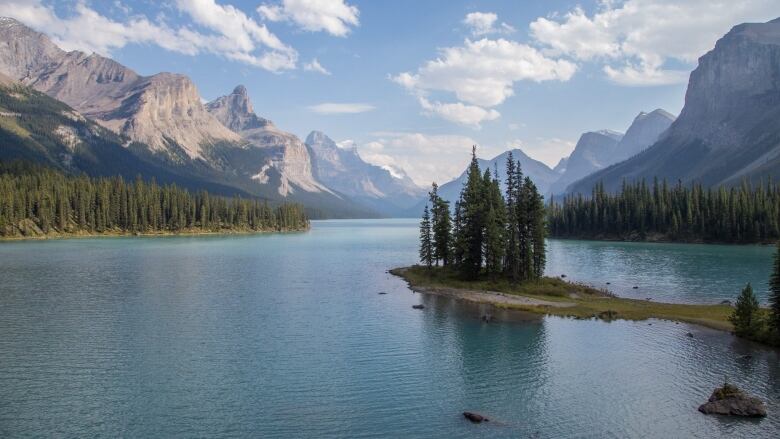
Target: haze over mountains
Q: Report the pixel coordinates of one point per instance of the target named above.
(97, 116)
(389, 193)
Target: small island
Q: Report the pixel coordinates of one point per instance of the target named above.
(558, 297)
(491, 248)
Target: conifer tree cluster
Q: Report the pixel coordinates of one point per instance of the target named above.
(489, 233)
(744, 214)
(749, 320)
(58, 203)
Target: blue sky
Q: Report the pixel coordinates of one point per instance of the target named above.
(414, 83)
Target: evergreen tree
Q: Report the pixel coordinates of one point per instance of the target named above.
(745, 316)
(472, 219)
(426, 244)
(495, 219)
(538, 230)
(441, 224)
(512, 251)
(774, 292)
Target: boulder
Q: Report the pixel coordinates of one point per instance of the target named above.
(729, 400)
(475, 417)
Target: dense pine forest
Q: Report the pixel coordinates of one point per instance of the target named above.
(38, 201)
(744, 214)
(488, 234)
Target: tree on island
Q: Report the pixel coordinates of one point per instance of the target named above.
(774, 293)
(441, 225)
(488, 233)
(745, 317)
(426, 244)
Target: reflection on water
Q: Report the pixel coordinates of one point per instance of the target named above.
(287, 336)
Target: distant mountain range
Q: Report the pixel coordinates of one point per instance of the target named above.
(342, 169)
(541, 174)
(729, 128)
(88, 113)
(594, 151)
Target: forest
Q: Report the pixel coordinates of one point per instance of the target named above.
(489, 234)
(36, 200)
(744, 214)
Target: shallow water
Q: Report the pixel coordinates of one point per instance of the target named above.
(287, 336)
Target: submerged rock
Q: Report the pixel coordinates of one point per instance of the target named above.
(487, 318)
(729, 400)
(418, 306)
(475, 417)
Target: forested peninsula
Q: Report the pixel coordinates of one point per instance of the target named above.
(38, 202)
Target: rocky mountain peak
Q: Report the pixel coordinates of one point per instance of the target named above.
(321, 143)
(236, 112)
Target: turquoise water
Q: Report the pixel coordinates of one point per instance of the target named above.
(684, 273)
(287, 336)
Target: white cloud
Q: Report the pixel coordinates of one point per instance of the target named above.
(332, 16)
(480, 74)
(484, 23)
(636, 39)
(425, 158)
(340, 108)
(458, 112)
(315, 66)
(232, 34)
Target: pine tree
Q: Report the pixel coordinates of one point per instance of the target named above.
(745, 316)
(472, 219)
(494, 226)
(774, 292)
(512, 251)
(441, 225)
(538, 230)
(426, 246)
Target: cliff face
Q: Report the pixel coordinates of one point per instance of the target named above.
(284, 155)
(727, 130)
(164, 111)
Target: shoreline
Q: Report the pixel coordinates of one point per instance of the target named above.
(159, 234)
(660, 241)
(592, 305)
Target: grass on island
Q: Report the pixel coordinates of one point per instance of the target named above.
(587, 302)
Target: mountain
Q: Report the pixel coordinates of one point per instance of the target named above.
(163, 111)
(727, 130)
(541, 174)
(642, 134)
(285, 157)
(41, 129)
(161, 119)
(594, 151)
(560, 168)
(345, 171)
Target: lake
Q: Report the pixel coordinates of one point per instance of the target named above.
(286, 335)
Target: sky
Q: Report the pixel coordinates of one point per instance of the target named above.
(413, 84)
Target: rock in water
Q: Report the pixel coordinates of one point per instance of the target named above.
(475, 417)
(729, 400)
(418, 306)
